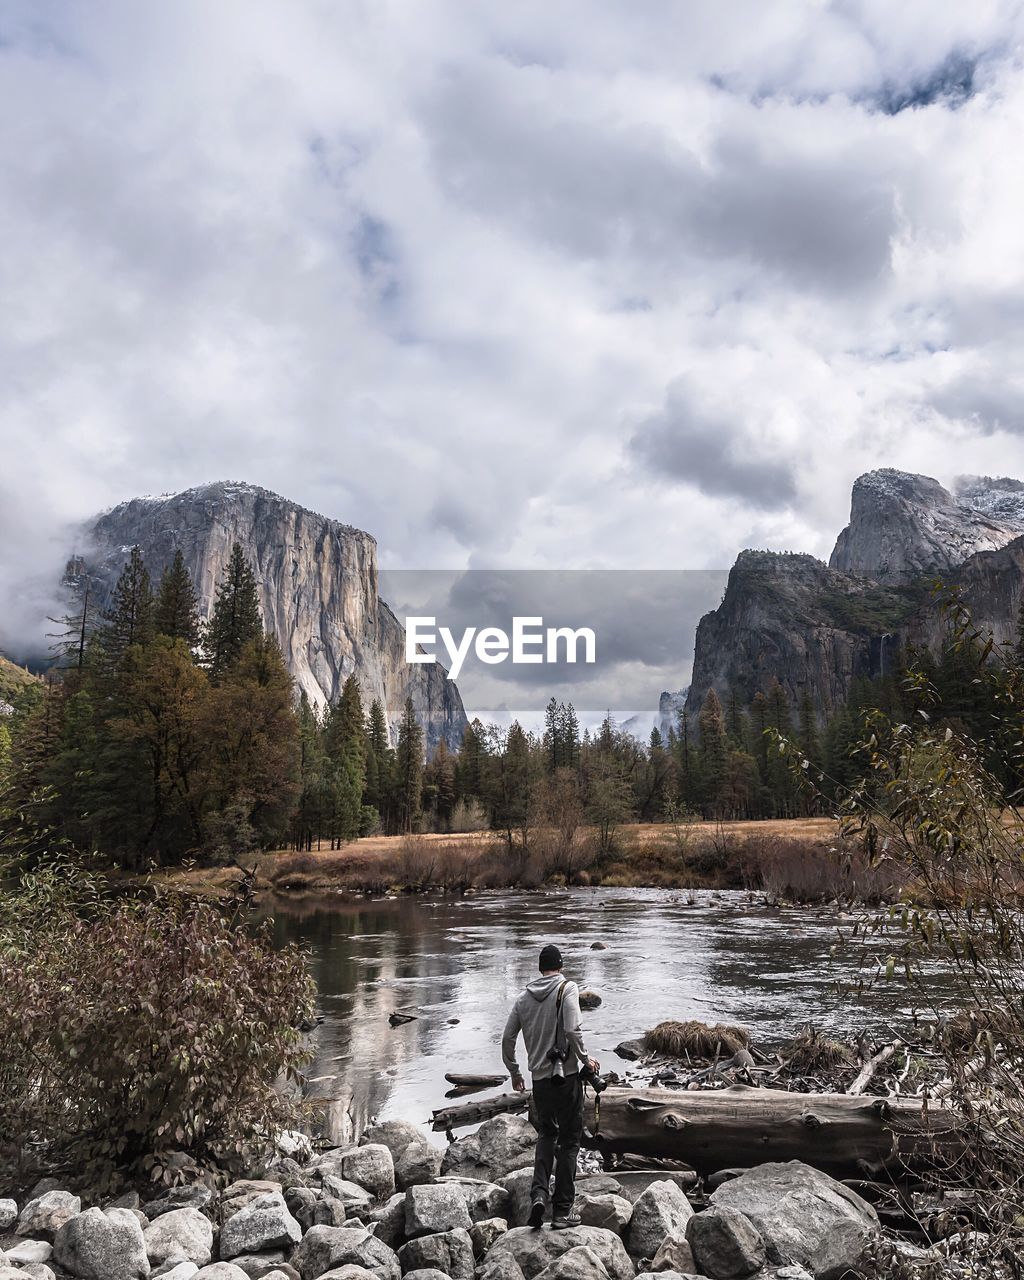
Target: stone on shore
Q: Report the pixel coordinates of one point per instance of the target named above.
(605, 1210)
(220, 1271)
(102, 1244)
(483, 1199)
(28, 1251)
(518, 1185)
(725, 1243)
(324, 1248)
(418, 1163)
(501, 1144)
(44, 1216)
(426, 1273)
(484, 1234)
(256, 1265)
(182, 1233)
(804, 1216)
(500, 1266)
(264, 1223)
(195, 1197)
(8, 1214)
(580, 1263)
(674, 1255)
(437, 1207)
(660, 1213)
(388, 1222)
(536, 1250)
(370, 1166)
(447, 1251)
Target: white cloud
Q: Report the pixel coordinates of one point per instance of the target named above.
(432, 268)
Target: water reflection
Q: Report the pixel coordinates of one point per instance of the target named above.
(458, 963)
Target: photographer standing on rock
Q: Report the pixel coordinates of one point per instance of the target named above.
(548, 1015)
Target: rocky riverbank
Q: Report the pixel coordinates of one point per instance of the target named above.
(396, 1207)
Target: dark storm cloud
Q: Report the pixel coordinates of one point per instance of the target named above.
(690, 444)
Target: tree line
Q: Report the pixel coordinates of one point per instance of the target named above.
(162, 738)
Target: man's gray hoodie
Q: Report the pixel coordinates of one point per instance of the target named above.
(534, 1015)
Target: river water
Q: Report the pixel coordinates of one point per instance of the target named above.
(457, 964)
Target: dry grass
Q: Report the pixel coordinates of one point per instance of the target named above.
(810, 1053)
(696, 1039)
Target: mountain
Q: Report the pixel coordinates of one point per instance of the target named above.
(12, 680)
(317, 581)
(903, 526)
(669, 707)
(815, 627)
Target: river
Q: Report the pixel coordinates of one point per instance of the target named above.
(457, 964)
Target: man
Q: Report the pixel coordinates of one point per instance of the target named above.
(557, 1087)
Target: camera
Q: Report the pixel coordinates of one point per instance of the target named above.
(589, 1076)
(557, 1059)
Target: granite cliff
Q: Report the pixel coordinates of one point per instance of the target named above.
(317, 580)
(815, 627)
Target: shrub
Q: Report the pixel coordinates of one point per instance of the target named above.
(468, 816)
(134, 1029)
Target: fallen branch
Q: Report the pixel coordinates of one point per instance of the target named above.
(473, 1112)
(871, 1066)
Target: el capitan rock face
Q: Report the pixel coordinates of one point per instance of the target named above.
(815, 627)
(317, 581)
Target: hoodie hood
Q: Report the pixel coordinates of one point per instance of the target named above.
(540, 988)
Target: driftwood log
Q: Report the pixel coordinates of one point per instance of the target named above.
(467, 1080)
(843, 1135)
(473, 1112)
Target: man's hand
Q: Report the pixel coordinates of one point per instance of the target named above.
(594, 1065)
(519, 1084)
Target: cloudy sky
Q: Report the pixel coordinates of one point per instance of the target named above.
(588, 283)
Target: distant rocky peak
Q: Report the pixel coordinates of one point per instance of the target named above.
(904, 526)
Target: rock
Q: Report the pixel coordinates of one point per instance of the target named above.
(293, 1145)
(396, 1135)
(196, 1197)
(500, 1145)
(610, 1211)
(265, 1223)
(184, 1234)
(355, 1198)
(447, 1251)
(348, 1272)
(517, 1185)
(483, 1199)
(256, 1265)
(589, 1000)
(38, 1271)
(102, 1245)
(8, 1214)
(389, 1221)
(433, 1208)
(27, 1251)
(282, 1273)
(246, 1188)
(804, 1216)
(11, 1273)
(599, 1184)
(714, 1180)
(370, 1167)
(44, 1216)
(500, 1266)
(417, 1163)
(580, 1263)
(671, 1275)
(426, 1273)
(325, 1247)
(659, 1212)
(130, 1200)
(175, 1269)
(536, 1250)
(301, 1202)
(674, 1255)
(725, 1243)
(598, 946)
(220, 1271)
(634, 1182)
(631, 1050)
(485, 1233)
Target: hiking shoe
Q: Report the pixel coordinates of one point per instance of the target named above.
(563, 1221)
(536, 1218)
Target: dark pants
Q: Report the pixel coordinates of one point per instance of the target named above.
(558, 1105)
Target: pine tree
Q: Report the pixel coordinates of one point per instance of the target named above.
(129, 619)
(176, 614)
(236, 615)
(408, 769)
(711, 724)
(377, 793)
(345, 743)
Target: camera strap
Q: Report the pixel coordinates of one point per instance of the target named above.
(561, 1043)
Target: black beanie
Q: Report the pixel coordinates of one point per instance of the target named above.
(550, 958)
